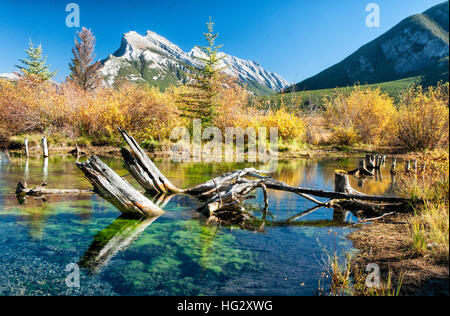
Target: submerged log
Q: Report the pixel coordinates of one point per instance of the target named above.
(22, 190)
(116, 190)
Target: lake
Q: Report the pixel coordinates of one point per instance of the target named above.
(176, 253)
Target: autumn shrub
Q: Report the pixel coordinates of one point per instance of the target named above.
(423, 118)
(363, 115)
(289, 125)
(27, 107)
(315, 134)
(232, 110)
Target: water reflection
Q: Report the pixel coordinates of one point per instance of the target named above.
(177, 253)
(117, 236)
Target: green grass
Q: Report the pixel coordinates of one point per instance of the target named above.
(314, 98)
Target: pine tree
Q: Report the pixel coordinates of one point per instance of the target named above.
(35, 64)
(200, 102)
(84, 71)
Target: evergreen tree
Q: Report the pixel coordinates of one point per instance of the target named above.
(84, 71)
(200, 101)
(35, 64)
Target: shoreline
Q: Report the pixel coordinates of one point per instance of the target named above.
(385, 243)
(325, 151)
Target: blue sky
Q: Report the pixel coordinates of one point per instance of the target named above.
(293, 38)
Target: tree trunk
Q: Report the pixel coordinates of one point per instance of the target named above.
(149, 173)
(116, 190)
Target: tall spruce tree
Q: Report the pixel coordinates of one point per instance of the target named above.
(35, 64)
(200, 100)
(84, 71)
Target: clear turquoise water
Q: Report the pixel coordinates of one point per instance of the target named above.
(177, 253)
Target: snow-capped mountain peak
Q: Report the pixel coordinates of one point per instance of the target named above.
(154, 59)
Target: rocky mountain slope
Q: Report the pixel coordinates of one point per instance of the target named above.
(417, 46)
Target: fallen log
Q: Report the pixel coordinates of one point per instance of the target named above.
(231, 198)
(22, 190)
(226, 192)
(278, 185)
(116, 190)
(211, 185)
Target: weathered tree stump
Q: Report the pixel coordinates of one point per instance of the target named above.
(370, 161)
(394, 165)
(407, 165)
(149, 173)
(116, 190)
(44, 147)
(25, 143)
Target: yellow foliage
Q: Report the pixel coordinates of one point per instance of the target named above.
(423, 117)
(27, 107)
(289, 125)
(364, 115)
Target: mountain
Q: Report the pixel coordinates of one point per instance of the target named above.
(8, 75)
(155, 60)
(417, 46)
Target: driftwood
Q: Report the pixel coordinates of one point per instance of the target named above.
(22, 190)
(223, 195)
(116, 190)
(148, 175)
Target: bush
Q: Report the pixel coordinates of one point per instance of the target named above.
(363, 115)
(28, 107)
(423, 118)
(289, 125)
